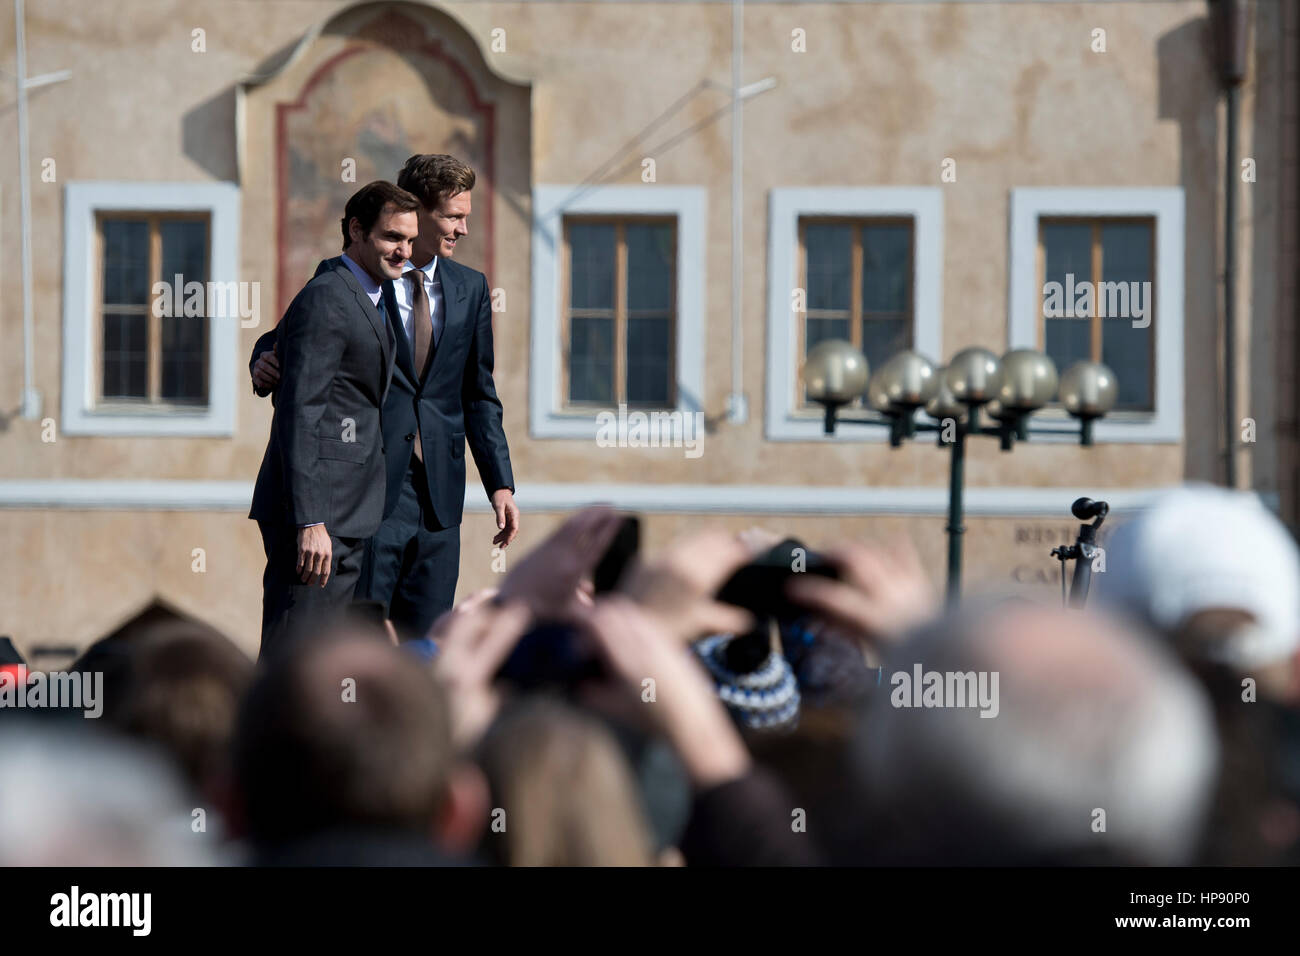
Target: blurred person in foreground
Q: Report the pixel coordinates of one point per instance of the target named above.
(1217, 575)
(175, 682)
(565, 794)
(343, 756)
(74, 797)
(1098, 747)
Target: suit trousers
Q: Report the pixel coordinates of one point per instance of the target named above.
(293, 611)
(412, 563)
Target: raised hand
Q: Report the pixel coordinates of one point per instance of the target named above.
(677, 585)
(881, 593)
(473, 645)
(547, 578)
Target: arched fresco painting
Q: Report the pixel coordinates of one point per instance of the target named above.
(392, 91)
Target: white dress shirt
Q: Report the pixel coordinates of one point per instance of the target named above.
(432, 288)
(370, 285)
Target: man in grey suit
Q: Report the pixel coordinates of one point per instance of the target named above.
(320, 491)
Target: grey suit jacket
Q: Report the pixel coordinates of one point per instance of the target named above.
(325, 457)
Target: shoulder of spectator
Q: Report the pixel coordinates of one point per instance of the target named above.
(746, 821)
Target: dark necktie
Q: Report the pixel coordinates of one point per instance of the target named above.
(423, 322)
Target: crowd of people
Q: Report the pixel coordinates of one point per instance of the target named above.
(541, 723)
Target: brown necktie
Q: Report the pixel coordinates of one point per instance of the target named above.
(423, 321)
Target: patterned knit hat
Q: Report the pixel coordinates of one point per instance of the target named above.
(763, 699)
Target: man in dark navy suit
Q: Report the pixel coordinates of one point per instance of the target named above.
(442, 393)
(319, 494)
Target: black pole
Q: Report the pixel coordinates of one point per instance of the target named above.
(957, 478)
(1230, 21)
(1229, 294)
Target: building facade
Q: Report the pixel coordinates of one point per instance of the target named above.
(910, 175)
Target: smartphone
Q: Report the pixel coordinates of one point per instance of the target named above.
(759, 587)
(618, 555)
(551, 655)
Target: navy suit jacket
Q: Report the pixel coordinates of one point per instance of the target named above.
(456, 401)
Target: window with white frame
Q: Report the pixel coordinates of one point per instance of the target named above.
(1097, 274)
(618, 303)
(859, 264)
(144, 353)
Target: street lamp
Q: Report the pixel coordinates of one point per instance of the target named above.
(1009, 389)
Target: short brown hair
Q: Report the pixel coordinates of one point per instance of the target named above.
(369, 201)
(433, 176)
(308, 760)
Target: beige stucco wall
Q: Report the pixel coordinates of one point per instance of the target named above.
(885, 92)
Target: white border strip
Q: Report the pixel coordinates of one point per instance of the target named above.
(93, 495)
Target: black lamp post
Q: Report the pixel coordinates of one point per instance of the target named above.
(1009, 390)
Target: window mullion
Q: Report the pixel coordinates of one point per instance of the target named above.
(154, 343)
(1095, 344)
(620, 312)
(1040, 267)
(855, 291)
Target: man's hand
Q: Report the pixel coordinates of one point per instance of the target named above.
(503, 503)
(266, 372)
(315, 552)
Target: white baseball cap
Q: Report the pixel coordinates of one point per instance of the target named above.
(1200, 547)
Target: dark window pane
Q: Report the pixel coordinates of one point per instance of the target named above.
(591, 360)
(830, 266)
(649, 267)
(648, 360)
(184, 338)
(591, 247)
(125, 355)
(185, 359)
(1126, 252)
(1068, 341)
(882, 338)
(1126, 288)
(886, 268)
(126, 262)
(1127, 295)
(1127, 352)
(820, 330)
(1068, 252)
(1067, 249)
(184, 251)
